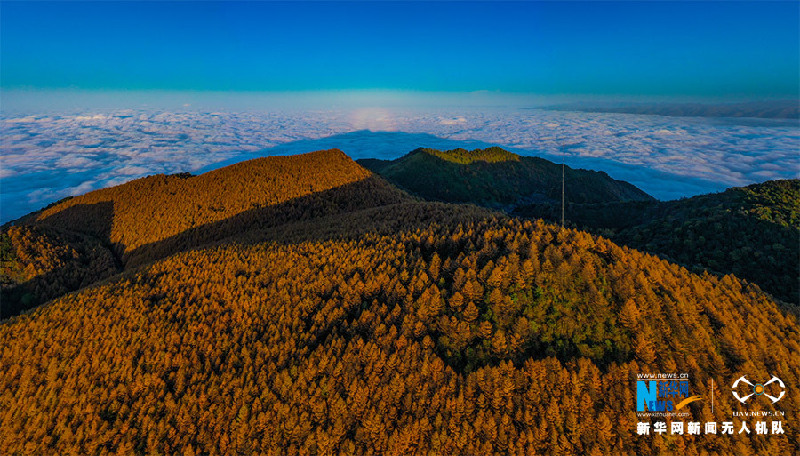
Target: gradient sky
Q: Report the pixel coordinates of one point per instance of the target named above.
(738, 49)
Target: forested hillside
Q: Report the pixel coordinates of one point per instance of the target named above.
(472, 335)
(41, 263)
(90, 237)
(498, 179)
(305, 313)
(752, 232)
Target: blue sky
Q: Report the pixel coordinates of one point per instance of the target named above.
(718, 49)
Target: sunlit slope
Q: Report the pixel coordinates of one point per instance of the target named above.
(456, 335)
(154, 208)
(497, 178)
(87, 238)
(752, 232)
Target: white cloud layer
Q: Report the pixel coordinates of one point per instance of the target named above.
(47, 157)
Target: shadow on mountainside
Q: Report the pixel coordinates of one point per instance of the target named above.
(71, 268)
(44, 262)
(369, 205)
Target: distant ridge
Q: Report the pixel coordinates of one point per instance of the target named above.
(496, 178)
(466, 157)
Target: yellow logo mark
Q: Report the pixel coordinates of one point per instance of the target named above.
(687, 401)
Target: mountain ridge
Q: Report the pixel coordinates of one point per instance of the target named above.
(496, 178)
(121, 219)
(236, 188)
(156, 216)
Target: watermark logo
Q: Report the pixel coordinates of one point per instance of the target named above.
(663, 394)
(665, 397)
(758, 389)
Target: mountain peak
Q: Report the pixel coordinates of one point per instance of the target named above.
(497, 178)
(154, 208)
(465, 157)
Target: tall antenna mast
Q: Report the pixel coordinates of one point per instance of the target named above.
(562, 190)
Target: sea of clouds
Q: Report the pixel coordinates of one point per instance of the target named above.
(46, 157)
